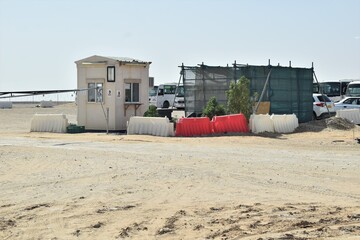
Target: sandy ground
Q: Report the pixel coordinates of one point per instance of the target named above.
(304, 185)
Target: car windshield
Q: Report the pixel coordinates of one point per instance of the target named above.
(169, 89)
(321, 98)
(180, 91)
(153, 91)
(353, 89)
(330, 88)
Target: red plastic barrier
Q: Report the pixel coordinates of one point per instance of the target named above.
(188, 127)
(230, 123)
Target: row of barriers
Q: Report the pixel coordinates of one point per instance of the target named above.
(189, 127)
(202, 126)
(286, 123)
(236, 123)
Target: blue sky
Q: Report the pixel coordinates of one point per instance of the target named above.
(41, 39)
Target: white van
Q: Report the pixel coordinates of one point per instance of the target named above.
(153, 95)
(166, 95)
(335, 90)
(353, 89)
(179, 97)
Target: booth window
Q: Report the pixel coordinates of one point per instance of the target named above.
(132, 92)
(111, 74)
(95, 92)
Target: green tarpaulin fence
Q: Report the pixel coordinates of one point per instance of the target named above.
(289, 89)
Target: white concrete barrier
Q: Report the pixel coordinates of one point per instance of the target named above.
(285, 123)
(155, 126)
(46, 104)
(274, 123)
(261, 123)
(353, 115)
(49, 123)
(6, 105)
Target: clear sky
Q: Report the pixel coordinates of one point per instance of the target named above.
(41, 39)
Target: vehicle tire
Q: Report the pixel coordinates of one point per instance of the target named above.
(314, 116)
(166, 104)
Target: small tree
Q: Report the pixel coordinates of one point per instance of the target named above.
(213, 108)
(238, 96)
(151, 112)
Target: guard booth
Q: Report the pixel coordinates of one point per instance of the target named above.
(116, 87)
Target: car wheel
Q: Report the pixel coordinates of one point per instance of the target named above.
(166, 104)
(314, 116)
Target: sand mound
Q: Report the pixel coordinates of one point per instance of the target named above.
(336, 123)
(339, 123)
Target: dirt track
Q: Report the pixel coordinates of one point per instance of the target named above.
(304, 185)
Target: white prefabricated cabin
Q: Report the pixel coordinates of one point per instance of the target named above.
(116, 87)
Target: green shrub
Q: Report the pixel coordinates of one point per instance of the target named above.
(213, 108)
(151, 112)
(238, 97)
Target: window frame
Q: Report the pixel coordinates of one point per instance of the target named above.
(349, 101)
(98, 92)
(132, 89)
(108, 73)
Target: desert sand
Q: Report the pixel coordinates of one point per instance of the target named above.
(304, 185)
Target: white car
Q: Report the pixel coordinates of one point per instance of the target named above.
(321, 105)
(348, 103)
